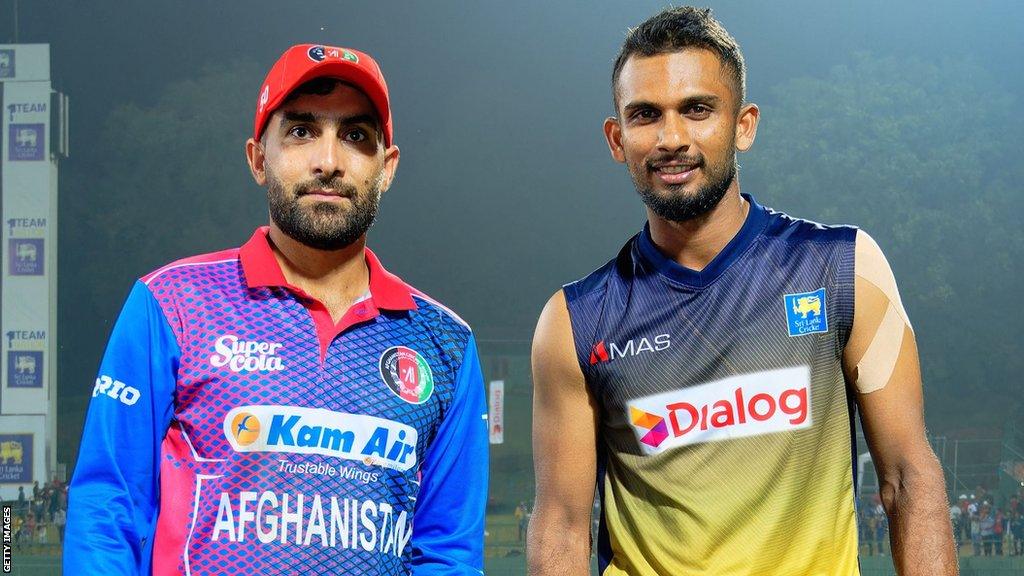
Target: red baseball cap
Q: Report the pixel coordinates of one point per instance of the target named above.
(304, 62)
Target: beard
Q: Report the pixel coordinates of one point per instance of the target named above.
(676, 205)
(323, 225)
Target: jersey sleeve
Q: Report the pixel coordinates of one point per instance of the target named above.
(448, 526)
(113, 497)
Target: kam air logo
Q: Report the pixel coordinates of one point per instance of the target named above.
(806, 313)
(297, 430)
(734, 407)
(606, 352)
(407, 374)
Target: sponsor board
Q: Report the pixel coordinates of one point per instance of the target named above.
(16, 458)
(496, 411)
(26, 256)
(7, 63)
(26, 141)
(25, 369)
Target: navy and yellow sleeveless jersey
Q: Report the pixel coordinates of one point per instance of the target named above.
(725, 442)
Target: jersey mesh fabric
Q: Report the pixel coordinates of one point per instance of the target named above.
(201, 300)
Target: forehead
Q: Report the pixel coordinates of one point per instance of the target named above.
(343, 102)
(673, 76)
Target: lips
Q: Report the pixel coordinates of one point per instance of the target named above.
(675, 173)
(326, 193)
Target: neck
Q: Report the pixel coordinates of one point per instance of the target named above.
(695, 242)
(335, 277)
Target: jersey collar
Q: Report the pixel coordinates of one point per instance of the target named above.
(752, 227)
(261, 269)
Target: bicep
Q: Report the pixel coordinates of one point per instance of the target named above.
(881, 364)
(564, 420)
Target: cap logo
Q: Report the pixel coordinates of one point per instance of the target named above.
(349, 56)
(316, 53)
(264, 96)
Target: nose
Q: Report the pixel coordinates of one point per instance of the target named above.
(328, 159)
(674, 136)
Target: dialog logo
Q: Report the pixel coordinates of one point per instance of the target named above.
(735, 407)
(655, 426)
(407, 374)
(300, 430)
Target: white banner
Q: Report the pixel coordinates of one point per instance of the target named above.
(28, 252)
(24, 62)
(496, 411)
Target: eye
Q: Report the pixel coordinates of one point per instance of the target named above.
(698, 111)
(300, 132)
(356, 136)
(645, 115)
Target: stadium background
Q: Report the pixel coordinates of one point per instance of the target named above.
(902, 118)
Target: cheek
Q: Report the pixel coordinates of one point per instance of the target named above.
(716, 138)
(637, 144)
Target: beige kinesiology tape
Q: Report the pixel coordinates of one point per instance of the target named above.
(876, 367)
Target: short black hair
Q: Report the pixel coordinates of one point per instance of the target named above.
(676, 29)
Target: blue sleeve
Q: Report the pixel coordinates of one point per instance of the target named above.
(448, 526)
(113, 497)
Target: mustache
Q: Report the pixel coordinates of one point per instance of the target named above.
(341, 188)
(694, 160)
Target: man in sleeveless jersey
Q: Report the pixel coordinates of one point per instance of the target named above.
(706, 378)
(290, 406)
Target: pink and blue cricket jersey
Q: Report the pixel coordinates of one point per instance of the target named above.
(235, 428)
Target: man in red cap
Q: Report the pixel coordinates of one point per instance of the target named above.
(289, 406)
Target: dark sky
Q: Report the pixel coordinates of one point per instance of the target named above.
(505, 188)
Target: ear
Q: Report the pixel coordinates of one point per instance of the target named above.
(256, 157)
(391, 155)
(613, 134)
(746, 126)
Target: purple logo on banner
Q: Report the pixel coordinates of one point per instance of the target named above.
(6, 63)
(26, 256)
(15, 458)
(24, 369)
(26, 142)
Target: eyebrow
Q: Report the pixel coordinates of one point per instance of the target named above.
(709, 99)
(319, 117)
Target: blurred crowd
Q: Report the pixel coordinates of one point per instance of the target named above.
(980, 526)
(983, 528)
(38, 519)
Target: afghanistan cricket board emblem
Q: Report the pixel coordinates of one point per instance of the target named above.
(407, 374)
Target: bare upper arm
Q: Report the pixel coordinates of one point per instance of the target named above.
(564, 422)
(881, 364)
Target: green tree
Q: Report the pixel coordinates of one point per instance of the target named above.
(170, 181)
(923, 157)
